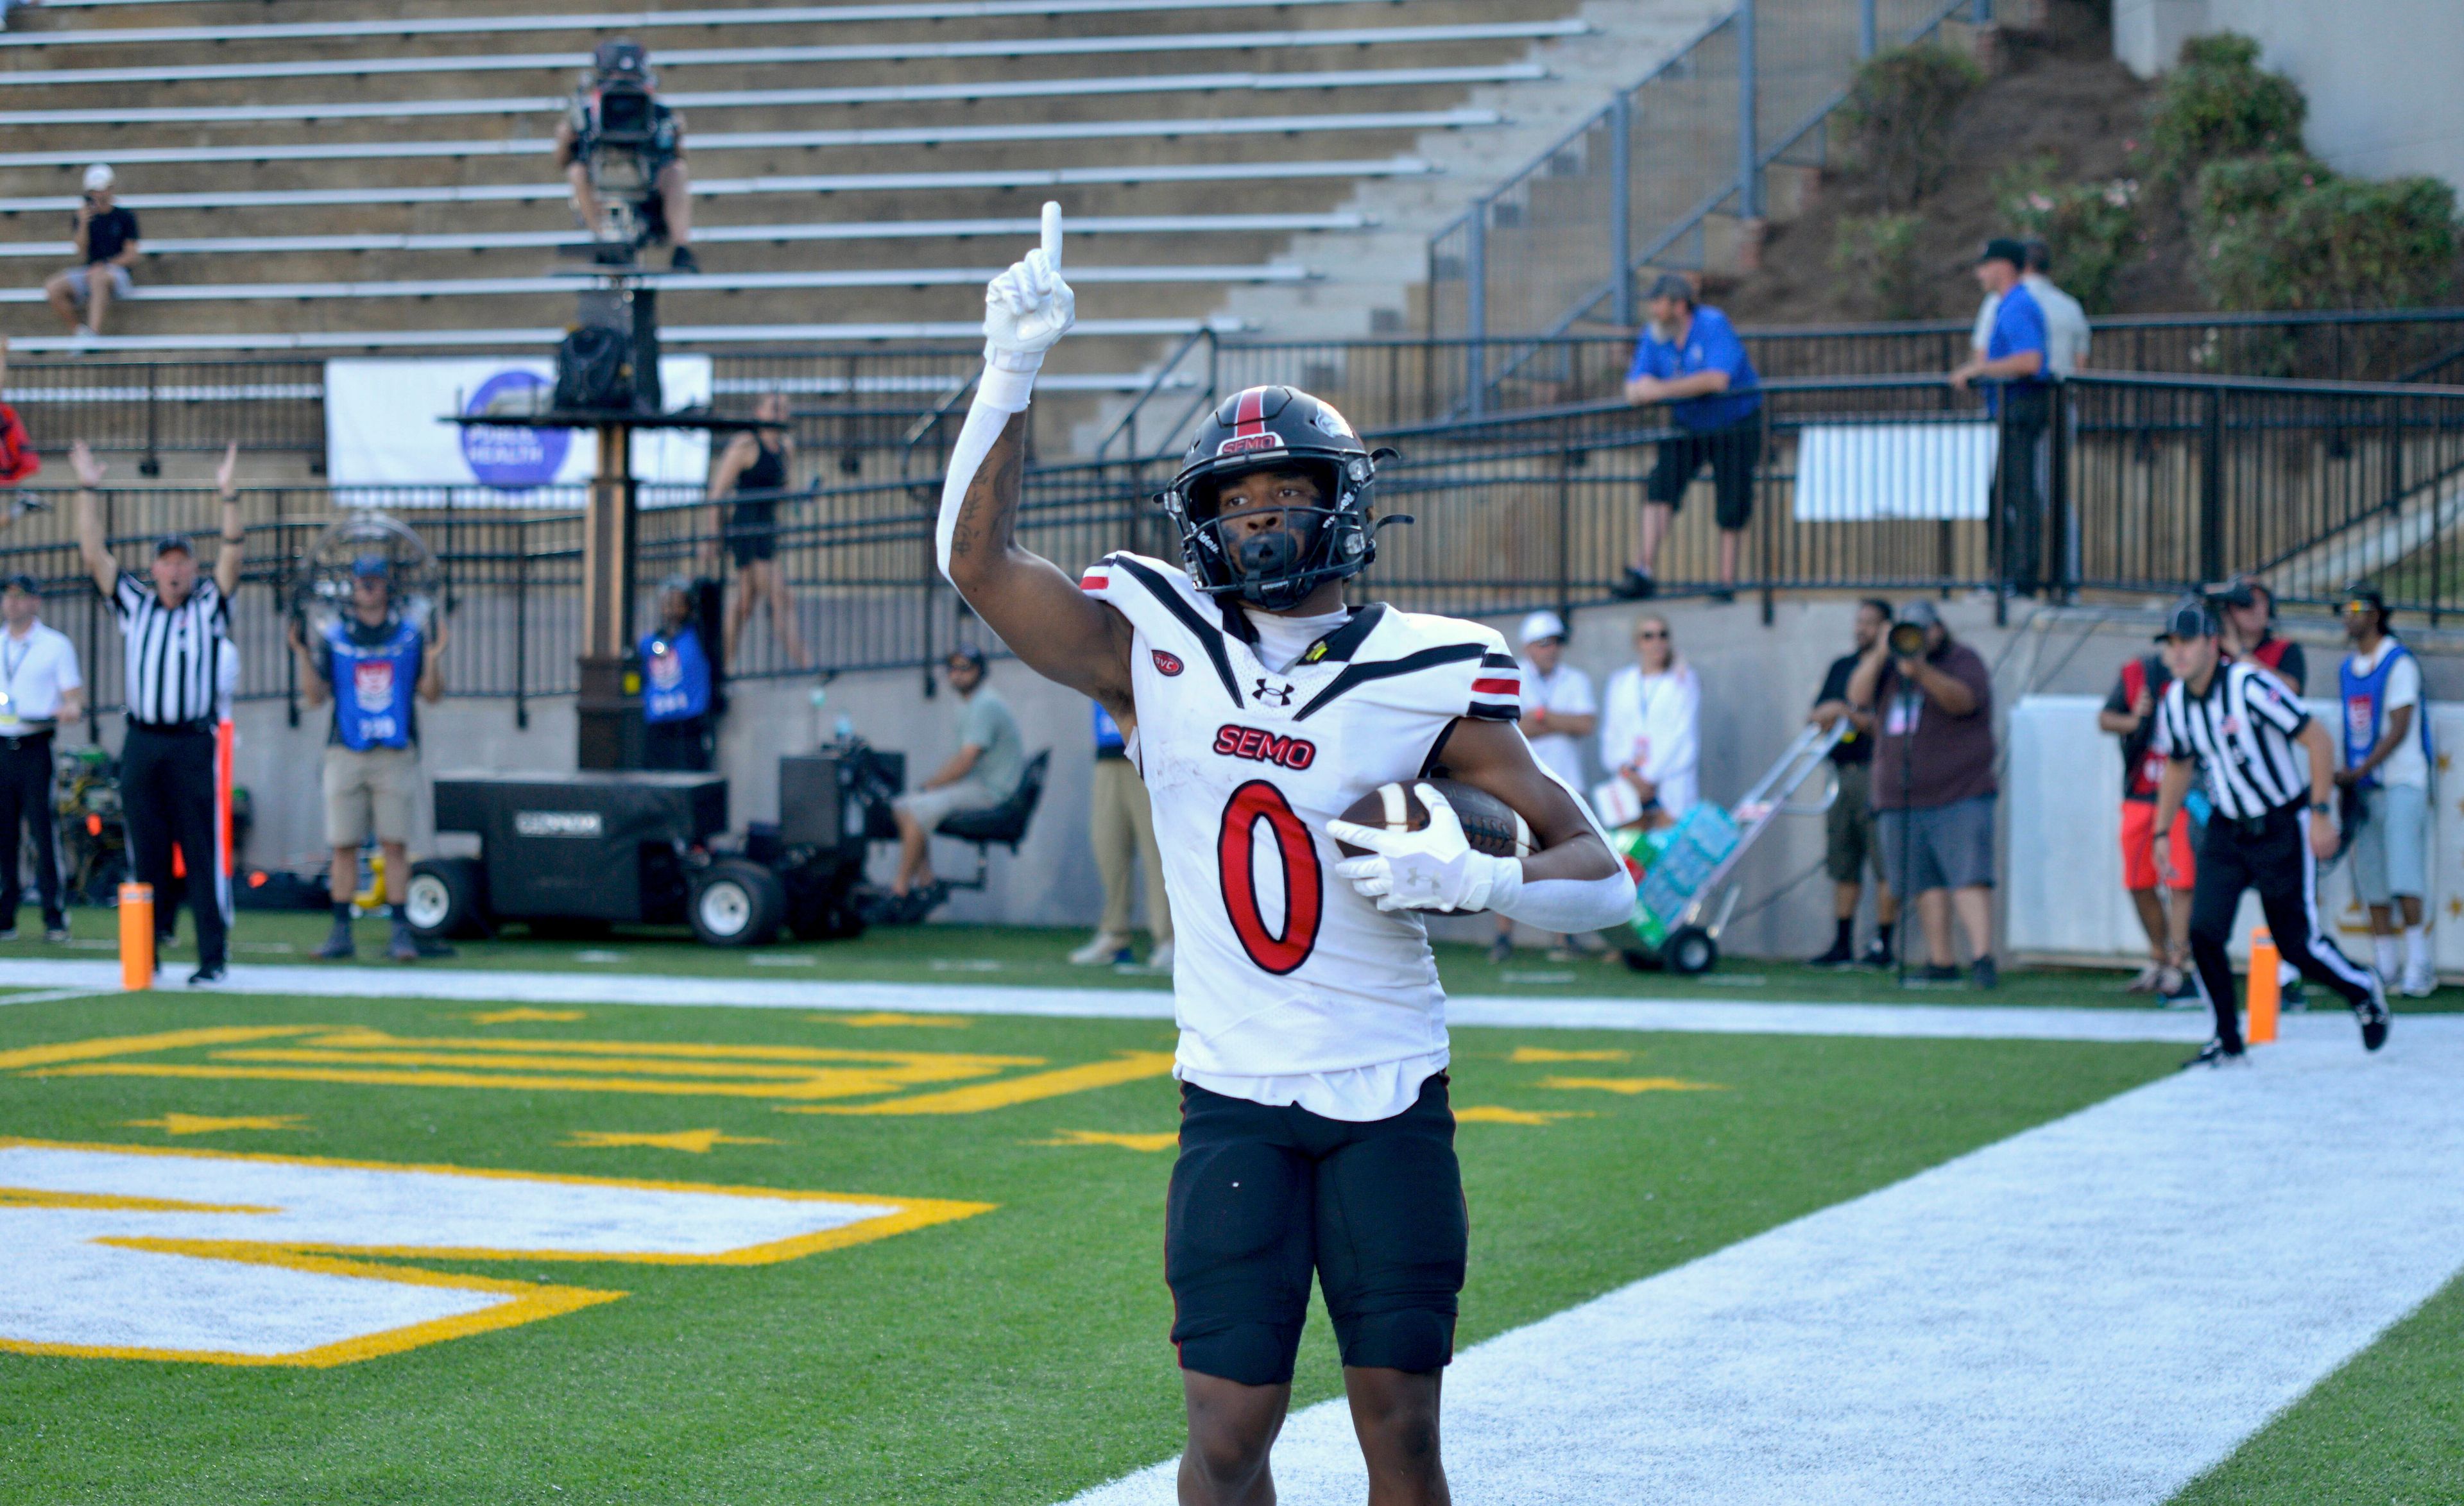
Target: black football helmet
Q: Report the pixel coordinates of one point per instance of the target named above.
(1276, 429)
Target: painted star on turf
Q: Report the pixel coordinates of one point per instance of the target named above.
(1164, 1140)
(215, 1124)
(699, 1142)
(1524, 1056)
(525, 1015)
(1631, 1086)
(880, 1018)
(1499, 1114)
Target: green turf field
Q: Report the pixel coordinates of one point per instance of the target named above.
(1017, 1355)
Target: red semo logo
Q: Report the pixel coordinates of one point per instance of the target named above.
(1265, 747)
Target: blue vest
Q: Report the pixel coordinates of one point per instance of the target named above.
(2365, 698)
(675, 676)
(373, 685)
(1109, 741)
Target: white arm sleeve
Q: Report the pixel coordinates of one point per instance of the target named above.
(1003, 391)
(1566, 906)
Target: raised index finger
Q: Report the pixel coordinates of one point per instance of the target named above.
(1052, 234)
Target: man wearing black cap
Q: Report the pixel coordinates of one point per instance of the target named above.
(2238, 725)
(2017, 365)
(40, 690)
(1689, 358)
(2246, 625)
(174, 622)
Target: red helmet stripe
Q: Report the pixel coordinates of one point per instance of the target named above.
(1250, 417)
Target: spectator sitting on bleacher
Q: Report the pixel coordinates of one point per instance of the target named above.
(620, 70)
(986, 770)
(106, 246)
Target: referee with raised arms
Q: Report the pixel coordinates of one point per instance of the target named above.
(2237, 723)
(175, 622)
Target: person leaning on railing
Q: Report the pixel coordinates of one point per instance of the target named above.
(1689, 358)
(2017, 365)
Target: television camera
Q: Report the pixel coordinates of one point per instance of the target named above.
(623, 139)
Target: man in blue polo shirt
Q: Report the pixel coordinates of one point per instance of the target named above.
(2017, 367)
(1690, 359)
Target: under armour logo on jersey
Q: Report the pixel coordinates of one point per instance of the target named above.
(1267, 694)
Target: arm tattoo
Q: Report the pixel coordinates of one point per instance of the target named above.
(990, 512)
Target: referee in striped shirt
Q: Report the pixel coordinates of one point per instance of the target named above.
(2238, 724)
(175, 622)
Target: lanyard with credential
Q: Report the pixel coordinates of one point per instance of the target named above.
(9, 665)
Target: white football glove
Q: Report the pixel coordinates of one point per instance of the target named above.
(1432, 869)
(1028, 308)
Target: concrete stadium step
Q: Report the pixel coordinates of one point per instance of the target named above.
(676, 336)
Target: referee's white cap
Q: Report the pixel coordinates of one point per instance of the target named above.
(1541, 624)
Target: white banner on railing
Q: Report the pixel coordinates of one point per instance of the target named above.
(1863, 472)
(386, 427)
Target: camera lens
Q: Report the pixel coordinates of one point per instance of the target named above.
(1907, 639)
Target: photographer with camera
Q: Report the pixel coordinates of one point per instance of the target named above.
(106, 246)
(1933, 782)
(618, 142)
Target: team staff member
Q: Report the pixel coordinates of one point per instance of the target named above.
(173, 622)
(2387, 760)
(2248, 632)
(1691, 358)
(376, 666)
(2236, 724)
(40, 690)
(675, 687)
(1121, 830)
(1848, 845)
(2130, 714)
(2019, 362)
(1558, 712)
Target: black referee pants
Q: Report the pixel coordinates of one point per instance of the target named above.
(167, 785)
(26, 796)
(2271, 855)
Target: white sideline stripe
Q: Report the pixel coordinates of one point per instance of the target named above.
(785, 183)
(675, 337)
(841, 52)
(50, 995)
(1905, 1020)
(2094, 1311)
(751, 98)
(697, 282)
(731, 235)
(628, 20)
(529, 146)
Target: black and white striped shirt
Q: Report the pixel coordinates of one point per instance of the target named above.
(173, 651)
(2241, 731)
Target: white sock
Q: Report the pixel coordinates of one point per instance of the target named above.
(2388, 959)
(2416, 949)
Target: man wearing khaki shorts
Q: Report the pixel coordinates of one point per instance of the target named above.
(374, 666)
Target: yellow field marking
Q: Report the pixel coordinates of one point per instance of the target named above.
(1524, 1056)
(699, 1142)
(379, 1040)
(114, 1202)
(1634, 1085)
(525, 1015)
(1128, 1067)
(1163, 1141)
(1498, 1113)
(886, 1017)
(816, 1085)
(215, 1124)
(129, 1045)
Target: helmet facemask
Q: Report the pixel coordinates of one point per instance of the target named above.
(1274, 431)
(1274, 567)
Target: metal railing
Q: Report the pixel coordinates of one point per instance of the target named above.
(2130, 482)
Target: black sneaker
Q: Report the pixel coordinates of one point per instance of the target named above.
(2373, 1014)
(1985, 975)
(1930, 974)
(402, 946)
(2216, 1053)
(206, 973)
(1839, 956)
(430, 946)
(1635, 586)
(55, 933)
(1724, 595)
(1502, 951)
(1876, 955)
(683, 259)
(339, 947)
(2293, 999)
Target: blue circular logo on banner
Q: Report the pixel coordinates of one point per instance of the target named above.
(512, 459)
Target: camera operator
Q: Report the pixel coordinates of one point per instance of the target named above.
(107, 247)
(616, 111)
(1933, 781)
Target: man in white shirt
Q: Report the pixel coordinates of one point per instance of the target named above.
(2387, 761)
(1558, 712)
(1650, 742)
(2066, 328)
(40, 690)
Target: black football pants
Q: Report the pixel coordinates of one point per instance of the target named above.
(2271, 855)
(166, 786)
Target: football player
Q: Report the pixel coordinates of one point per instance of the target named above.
(1315, 1132)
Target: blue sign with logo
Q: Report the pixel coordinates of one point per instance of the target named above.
(512, 459)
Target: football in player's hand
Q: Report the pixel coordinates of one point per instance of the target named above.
(1489, 824)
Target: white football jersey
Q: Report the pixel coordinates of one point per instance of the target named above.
(1281, 969)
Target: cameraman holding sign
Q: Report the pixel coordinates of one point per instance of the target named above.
(1933, 782)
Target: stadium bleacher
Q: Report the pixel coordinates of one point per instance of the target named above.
(420, 209)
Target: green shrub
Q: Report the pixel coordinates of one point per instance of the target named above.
(1877, 254)
(2093, 228)
(1897, 118)
(2240, 187)
(2334, 242)
(2218, 103)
